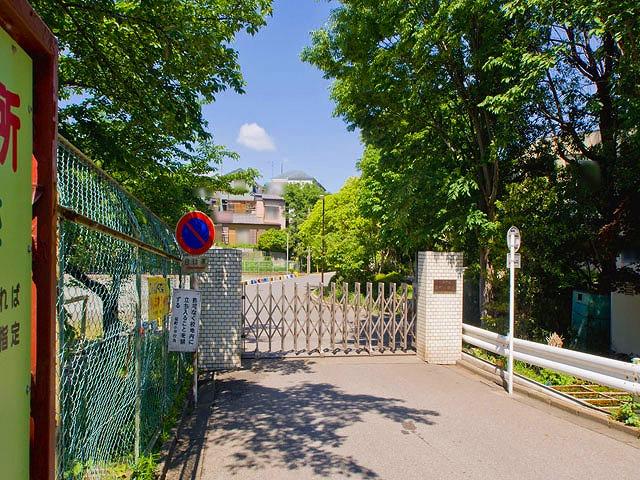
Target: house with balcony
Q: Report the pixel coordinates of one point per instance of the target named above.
(242, 219)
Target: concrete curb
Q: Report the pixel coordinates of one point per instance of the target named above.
(168, 448)
(545, 394)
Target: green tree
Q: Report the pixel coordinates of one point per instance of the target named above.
(300, 199)
(350, 244)
(133, 78)
(583, 83)
(412, 77)
(273, 240)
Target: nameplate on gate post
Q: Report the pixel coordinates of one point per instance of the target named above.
(444, 286)
(185, 320)
(194, 264)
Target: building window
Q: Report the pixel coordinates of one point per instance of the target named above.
(243, 236)
(271, 213)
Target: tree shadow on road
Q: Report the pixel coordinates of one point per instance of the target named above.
(297, 426)
(282, 367)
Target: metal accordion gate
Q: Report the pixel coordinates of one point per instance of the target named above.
(291, 318)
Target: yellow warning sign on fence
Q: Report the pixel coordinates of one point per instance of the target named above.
(158, 298)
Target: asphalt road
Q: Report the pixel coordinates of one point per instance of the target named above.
(388, 418)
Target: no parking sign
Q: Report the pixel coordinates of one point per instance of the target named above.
(195, 233)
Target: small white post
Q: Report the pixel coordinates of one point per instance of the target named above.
(513, 242)
(512, 284)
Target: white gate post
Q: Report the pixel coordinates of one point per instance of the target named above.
(439, 314)
(220, 340)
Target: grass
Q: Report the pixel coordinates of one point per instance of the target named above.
(532, 372)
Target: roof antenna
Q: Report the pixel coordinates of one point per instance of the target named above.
(281, 166)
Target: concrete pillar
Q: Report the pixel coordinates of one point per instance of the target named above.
(221, 323)
(439, 315)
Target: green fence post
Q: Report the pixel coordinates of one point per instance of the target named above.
(138, 358)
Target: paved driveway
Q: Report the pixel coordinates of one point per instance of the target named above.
(389, 418)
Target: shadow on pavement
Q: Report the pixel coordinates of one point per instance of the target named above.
(287, 367)
(185, 458)
(296, 426)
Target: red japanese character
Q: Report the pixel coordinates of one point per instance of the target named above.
(9, 125)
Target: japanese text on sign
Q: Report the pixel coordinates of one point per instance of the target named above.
(185, 320)
(9, 334)
(9, 125)
(16, 146)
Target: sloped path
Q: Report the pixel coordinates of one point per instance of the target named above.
(390, 418)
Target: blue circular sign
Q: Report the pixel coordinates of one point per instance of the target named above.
(195, 233)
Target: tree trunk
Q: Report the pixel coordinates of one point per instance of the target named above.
(486, 282)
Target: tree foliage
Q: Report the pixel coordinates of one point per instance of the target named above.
(349, 239)
(273, 240)
(482, 114)
(583, 81)
(411, 77)
(133, 78)
(300, 199)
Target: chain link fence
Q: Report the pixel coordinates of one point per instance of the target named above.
(117, 382)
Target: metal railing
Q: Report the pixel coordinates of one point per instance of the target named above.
(604, 371)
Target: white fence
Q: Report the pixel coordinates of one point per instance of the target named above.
(601, 370)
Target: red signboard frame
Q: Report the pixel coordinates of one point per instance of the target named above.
(183, 221)
(30, 32)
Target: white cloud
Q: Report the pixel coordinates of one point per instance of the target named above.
(253, 136)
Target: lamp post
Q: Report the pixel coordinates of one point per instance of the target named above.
(323, 246)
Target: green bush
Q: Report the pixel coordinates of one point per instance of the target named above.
(628, 414)
(273, 240)
(391, 277)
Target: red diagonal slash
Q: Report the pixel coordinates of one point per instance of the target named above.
(195, 233)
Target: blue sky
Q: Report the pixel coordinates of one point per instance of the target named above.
(287, 100)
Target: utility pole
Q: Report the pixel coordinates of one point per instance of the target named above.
(287, 252)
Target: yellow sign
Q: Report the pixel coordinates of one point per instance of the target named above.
(158, 298)
(15, 257)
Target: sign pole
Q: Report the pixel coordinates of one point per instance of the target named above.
(512, 281)
(513, 242)
(195, 234)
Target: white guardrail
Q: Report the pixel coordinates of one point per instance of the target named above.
(601, 370)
